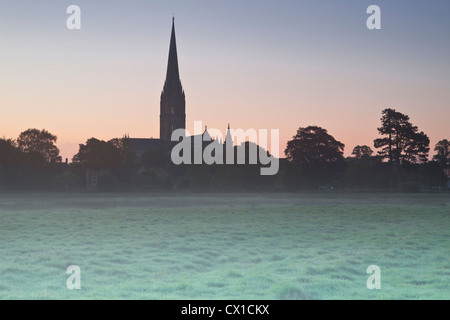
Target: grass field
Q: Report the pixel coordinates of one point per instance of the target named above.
(224, 246)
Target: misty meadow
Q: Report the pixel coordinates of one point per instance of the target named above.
(225, 246)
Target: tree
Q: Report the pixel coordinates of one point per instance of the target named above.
(34, 142)
(98, 154)
(314, 145)
(403, 141)
(124, 147)
(442, 149)
(317, 158)
(362, 152)
(10, 160)
(7, 150)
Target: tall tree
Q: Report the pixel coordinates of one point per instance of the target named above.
(314, 145)
(316, 158)
(362, 152)
(98, 154)
(124, 147)
(442, 155)
(41, 143)
(402, 140)
(10, 158)
(7, 147)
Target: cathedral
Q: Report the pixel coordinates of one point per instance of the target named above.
(173, 101)
(172, 117)
(172, 107)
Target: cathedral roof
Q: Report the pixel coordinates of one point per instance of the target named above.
(142, 145)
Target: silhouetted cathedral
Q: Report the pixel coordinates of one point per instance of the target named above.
(172, 107)
(173, 101)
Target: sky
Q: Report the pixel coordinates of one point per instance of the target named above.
(251, 63)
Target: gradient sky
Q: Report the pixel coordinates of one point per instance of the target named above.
(254, 64)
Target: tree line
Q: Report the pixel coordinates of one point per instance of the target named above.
(314, 160)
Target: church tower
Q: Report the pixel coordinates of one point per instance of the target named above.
(173, 102)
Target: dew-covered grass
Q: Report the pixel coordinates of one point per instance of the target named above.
(225, 246)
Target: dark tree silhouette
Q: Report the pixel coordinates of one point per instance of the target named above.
(9, 161)
(98, 154)
(314, 145)
(315, 157)
(402, 141)
(39, 143)
(7, 148)
(122, 144)
(362, 152)
(124, 147)
(442, 155)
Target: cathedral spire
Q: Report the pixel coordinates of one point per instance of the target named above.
(173, 102)
(173, 75)
(228, 138)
